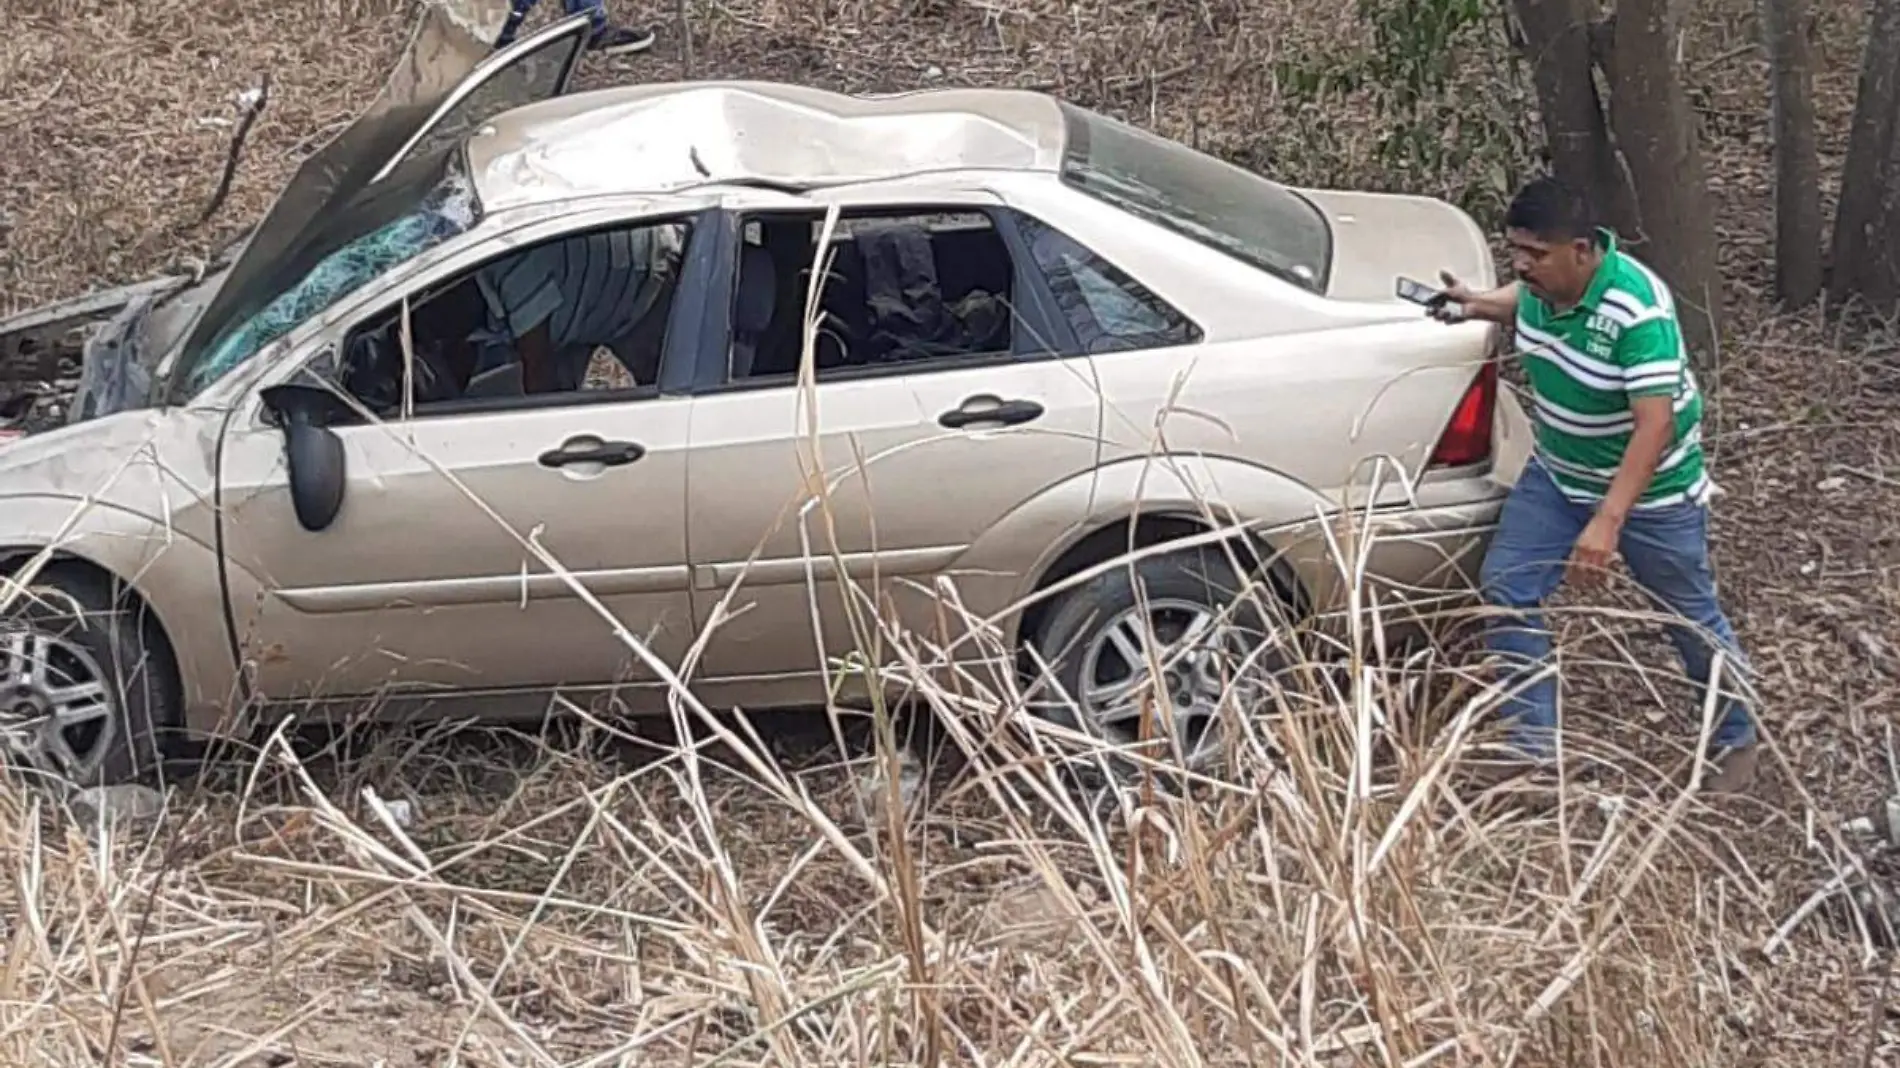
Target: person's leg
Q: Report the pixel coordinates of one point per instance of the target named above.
(610, 38)
(604, 36)
(517, 14)
(1668, 553)
(1523, 566)
(595, 10)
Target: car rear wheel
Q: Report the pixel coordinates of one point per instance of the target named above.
(1187, 614)
(84, 682)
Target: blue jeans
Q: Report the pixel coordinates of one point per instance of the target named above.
(596, 13)
(1667, 551)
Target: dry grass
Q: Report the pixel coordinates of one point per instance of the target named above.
(587, 900)
(714, 903)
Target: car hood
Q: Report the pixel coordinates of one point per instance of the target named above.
(129, 360)
(1379, 236)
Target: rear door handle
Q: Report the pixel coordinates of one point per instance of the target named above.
(605, 453)
(989, 408)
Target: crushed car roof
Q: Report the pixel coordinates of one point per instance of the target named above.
(655, 138)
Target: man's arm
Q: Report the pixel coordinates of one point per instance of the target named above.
(1655, 418)
(1650, 355)
(535, 349)
(522, 297)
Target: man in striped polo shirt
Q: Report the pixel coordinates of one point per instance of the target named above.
(1617, 464)
(552, 305)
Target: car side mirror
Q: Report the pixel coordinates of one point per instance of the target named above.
(312, 450)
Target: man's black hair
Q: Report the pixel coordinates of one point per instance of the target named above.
(1553, 211)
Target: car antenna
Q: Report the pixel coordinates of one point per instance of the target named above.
(692, 153)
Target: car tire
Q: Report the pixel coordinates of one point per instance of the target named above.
(63, 632)
(1079, 621)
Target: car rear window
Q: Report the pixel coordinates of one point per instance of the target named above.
(1225, 207)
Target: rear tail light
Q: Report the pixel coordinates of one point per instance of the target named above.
(1467, 438)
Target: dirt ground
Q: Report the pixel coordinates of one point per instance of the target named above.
(117, 116)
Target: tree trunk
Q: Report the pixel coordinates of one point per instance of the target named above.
(1862, 256)
(1798, 262)
(1656, 129)
(1557, 46)
(1880, 263)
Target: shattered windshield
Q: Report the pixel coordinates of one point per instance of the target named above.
(420, 205)
(1228, 208)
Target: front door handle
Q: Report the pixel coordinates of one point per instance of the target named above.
(989, 408)
(586, 451)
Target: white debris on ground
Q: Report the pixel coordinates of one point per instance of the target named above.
(873, 791)
(1861, 896)
(119, 806)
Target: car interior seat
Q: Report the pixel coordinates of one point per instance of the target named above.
(752, 314)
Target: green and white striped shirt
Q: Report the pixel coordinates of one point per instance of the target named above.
(1621, 341)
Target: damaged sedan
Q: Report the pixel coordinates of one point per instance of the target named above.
(1005, 338)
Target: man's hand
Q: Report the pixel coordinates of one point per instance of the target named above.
(1461, 303)
(1596, 547)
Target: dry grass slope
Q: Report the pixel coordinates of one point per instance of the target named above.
(587, 902)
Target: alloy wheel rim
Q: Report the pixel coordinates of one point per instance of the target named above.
(56, 710)
(1204, 668)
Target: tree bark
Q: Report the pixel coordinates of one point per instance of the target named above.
(1557, 46)
(1798, 236)
(1880, 261)
(1862, 257)
(1656, 130)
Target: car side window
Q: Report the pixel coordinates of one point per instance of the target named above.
(902, 288)
(1109, 309)
(581, 312)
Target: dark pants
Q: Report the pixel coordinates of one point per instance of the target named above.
(596, 11)
(1667, 550)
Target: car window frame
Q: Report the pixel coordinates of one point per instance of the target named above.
(680, 352)
(1197, 331)
(1039, 330)
(571, 31)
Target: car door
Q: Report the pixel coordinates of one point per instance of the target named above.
(422, 582)
(927, 435)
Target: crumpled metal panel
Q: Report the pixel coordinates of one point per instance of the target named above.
(663, 137)
(114, 374)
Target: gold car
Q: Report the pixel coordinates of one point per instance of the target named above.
(1039, 336)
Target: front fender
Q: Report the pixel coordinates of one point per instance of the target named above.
(175, 573)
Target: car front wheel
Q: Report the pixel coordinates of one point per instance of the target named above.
(84, 681)
(1179, 634)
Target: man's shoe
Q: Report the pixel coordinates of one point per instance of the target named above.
(614, 40)
(1734, 769)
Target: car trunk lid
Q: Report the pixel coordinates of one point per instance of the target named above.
(1379, 236)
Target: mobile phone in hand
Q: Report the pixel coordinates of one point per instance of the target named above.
(1437, 301)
